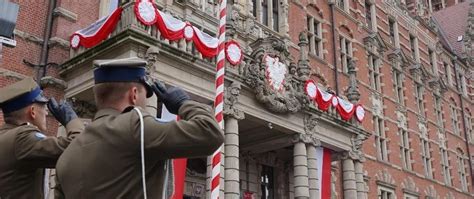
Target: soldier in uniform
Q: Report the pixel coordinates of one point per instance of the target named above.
(105, 160)
(24, 150)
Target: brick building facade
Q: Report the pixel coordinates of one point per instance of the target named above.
(417, 91)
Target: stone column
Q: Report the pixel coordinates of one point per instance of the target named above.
(313, 169)
(300, 167)
(231, 144)
(348, 176)
(359, 176)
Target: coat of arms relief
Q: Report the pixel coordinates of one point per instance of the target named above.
(273, 76)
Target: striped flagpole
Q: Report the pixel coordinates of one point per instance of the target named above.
(219, 100)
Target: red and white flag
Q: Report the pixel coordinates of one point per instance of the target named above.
(323, 161)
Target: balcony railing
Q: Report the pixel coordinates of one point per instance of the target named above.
(128, 21)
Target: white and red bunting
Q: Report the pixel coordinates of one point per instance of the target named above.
(146, 12)
(311, 89)
(345, 108)
(275, 72)
(325, 99)
(174, 29)
(233, 52)
(96, 32)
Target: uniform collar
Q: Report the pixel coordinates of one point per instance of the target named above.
(11, 126)
(106, 112)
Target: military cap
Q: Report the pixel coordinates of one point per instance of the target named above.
(20, 94)
(122, 70)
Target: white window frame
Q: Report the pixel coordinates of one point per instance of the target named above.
(371, 21)
(259, 12)
(380, 138)
(397, 79)
(454, 119)
(382, 193)
(419, 98)
(315, 36)
(374, 72)
(414, 48)
(469, 122)
(438, 110)
(405, 149)
(409, 196)
(446, 171)
(462, 170)
(426, 156)
(346, 50)
(343, 5)
(433, 61)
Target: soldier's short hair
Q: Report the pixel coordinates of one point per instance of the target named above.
(110, 92)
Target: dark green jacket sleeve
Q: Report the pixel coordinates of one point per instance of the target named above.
(35, 149)
(195, 134)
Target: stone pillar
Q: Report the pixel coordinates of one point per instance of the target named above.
(359, 176)
(312, 171)
(300, 167)
(349, 180)
(231, 145)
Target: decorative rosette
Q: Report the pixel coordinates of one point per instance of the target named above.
(233, 52)
(311, 89)
(145, 12)
(359, 112)
(188, 32)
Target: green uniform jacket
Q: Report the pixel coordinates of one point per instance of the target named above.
(24, 152)
(104, 161)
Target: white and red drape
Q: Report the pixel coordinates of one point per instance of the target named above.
(324, 100)
(323, 161)
(96, 32)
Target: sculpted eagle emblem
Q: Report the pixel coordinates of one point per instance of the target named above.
(275, 72)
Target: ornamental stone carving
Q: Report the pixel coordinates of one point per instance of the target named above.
(402, 120)
(151, 56)
(272, 77)
(384, 176)
(306, 138)
(83, 109)
(377, 108)
(431, 192)
(230, 101)
(310, 124)
(409, 185)
(356, 152)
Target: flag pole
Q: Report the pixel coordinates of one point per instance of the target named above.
(219, 100)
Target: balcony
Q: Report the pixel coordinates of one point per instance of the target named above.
(129, 27)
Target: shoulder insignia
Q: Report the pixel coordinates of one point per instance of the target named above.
(40, 136)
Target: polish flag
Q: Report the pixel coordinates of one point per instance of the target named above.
(177, 170)
(323, 161)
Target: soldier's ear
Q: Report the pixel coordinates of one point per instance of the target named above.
(133, 95)
(31, 111)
